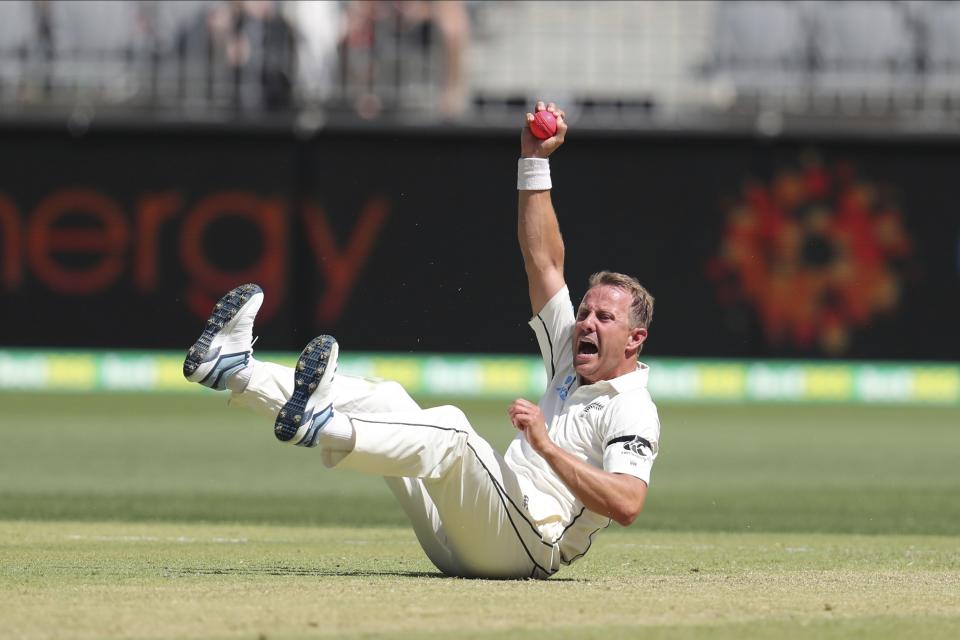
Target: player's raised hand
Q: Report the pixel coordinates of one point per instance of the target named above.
(528, 417)
(533, 147)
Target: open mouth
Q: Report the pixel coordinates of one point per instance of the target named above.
(585, 348)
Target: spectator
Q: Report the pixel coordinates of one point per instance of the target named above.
(318, 27)
(247, 49)
(377, 31)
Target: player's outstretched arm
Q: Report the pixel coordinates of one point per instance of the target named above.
(616, 495)
(537, 228)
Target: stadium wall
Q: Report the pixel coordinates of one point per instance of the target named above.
(405, 240)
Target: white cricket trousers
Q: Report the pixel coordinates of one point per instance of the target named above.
(463, 501)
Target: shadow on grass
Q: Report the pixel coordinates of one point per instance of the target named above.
(322, 572)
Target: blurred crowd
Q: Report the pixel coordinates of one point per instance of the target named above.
(443, 58)
(242, 53)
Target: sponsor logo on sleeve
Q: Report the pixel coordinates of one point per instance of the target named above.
(636, 445)
(641, 447)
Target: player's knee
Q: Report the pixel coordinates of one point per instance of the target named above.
(456, 418)
(397, 396)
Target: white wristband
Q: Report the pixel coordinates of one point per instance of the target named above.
(533, 174)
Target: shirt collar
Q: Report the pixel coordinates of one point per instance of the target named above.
(636, 379)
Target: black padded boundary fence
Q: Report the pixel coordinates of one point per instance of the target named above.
(406, 241)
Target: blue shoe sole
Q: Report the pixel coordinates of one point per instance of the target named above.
(310, 367)
(223, 312)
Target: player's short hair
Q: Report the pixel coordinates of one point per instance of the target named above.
(641, 311)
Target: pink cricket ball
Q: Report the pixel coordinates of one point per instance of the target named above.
(544, 125)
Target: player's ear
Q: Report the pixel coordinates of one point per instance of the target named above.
(638, 335)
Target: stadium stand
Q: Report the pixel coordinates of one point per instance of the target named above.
(869, 43)
(20, 49)
(939, 24)
(761, 48)
(643, 63)
(95, 47)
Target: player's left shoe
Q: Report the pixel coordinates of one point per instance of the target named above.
(226, 344)
(310, 406)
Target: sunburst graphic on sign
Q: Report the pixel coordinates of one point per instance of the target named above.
(817, 253)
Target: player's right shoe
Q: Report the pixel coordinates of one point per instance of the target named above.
(226, 344)
(310, 406)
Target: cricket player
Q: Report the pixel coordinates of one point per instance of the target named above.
(581, 458)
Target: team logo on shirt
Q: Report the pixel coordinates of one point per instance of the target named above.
(637, 445)
(595, 405)
(564, 390)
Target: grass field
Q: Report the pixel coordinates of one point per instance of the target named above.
(169, 516)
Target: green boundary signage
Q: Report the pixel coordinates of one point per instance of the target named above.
(511, 376)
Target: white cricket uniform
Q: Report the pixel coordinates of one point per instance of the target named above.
(477, 513)
(612, 425)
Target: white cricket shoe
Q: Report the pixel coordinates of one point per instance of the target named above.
(226, 344)
(310, 407)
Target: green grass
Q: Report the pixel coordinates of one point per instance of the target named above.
(722, 468)
(168, 516)
(91, 580)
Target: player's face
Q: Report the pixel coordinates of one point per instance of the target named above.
(604, 344)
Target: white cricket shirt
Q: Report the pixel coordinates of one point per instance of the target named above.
(612, 425)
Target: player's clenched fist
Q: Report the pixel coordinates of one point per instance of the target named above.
(530, 145)
(528, 417)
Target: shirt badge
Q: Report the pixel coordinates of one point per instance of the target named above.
(564, 389)
(640, 446)
(637, 445)
(596, 405)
